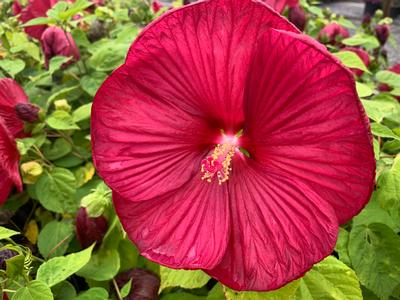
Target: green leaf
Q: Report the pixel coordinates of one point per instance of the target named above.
(60, 268)
(6, 233)
(351, 60)
(128, 255)
(73, 9)
(61, 120)
(378, 110)
(383, 131)
(363, 90)
(82, 113)
(39, 21)
(388, 190)
(342, 246)
(329, 279)
(54, 238)
(55, 190)
(91, 83)
(369, 42)
(103, 265)
(12, 66)
(374, 213)
(374, 251)
(108, 57)
(182, 278)
(64, 291)
(388, 77)
(34, 290)
(95, 293)
(58, 149)
(56, 62)
(126, 289)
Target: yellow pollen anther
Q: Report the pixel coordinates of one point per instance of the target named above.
(218, 164)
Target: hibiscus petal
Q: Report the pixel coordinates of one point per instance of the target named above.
(280, 228)
(183, 75)
(188, 229)
(10, 95)
(313, 126)
(5, 187)
(9, 169)
(36, 9)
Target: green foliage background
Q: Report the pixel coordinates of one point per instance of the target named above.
(59, 175)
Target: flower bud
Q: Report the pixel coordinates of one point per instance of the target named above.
(62, 105)
(16, 7)
(156, 6)
(145, 284)
(31, 172)
(297, 16)
(366, 20)
(382, 33)
(56, 42)
(96, 31)
(186, 2)
(332, 33)
(89, 230)
(27, 112)
(6, 254)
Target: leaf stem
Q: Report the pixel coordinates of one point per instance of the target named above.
(119, 296)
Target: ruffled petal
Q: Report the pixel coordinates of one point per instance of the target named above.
(182, 82)
(36, 9)
(198, 55)
(279, 228)
(10, 95)
(5, 187)
(188, 229)
(303, 117)
(9, 158)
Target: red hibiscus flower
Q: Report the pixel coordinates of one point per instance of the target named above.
(56, 42)
(36, 9)
(16, 7)
(332, 33)
(169, 129)
(362, 54)
(10, 127)
(11, 95)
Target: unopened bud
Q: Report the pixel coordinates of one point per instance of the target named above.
(31, 171)
(62, 105)
(145, 284)
(382, 33)
(27, 112)
(89, 230)
(96, 31)
(298, 17)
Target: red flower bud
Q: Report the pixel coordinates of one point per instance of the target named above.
(145, 284)
(297, 16)
(156, 6)
(57, 42)
(27, 112)
(89, 230)
(366, 20)
(16, 7)
(382, 33)
(331, 33)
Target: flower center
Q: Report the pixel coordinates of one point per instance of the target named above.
(218, 164)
